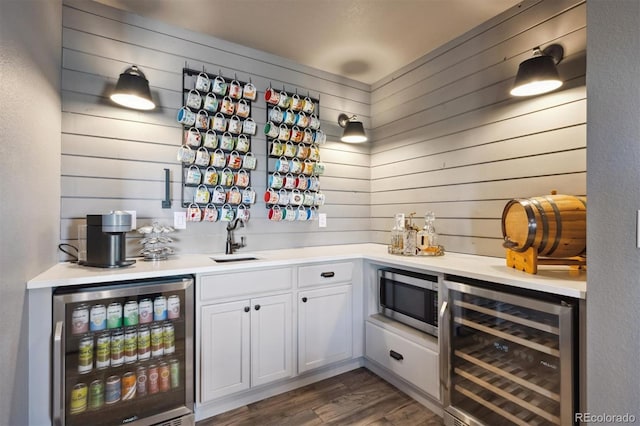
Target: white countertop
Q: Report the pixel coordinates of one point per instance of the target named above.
(552, 279)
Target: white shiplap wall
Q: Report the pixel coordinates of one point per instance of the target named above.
(113, 158)
(448, 137)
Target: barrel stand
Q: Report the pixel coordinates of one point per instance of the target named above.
(528, 261)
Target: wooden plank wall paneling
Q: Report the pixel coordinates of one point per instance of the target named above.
(113, 158)
(448, 137)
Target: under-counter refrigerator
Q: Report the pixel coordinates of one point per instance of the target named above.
(123, 353)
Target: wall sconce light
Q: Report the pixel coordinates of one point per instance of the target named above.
(132, 90)
(353, 130)
(539, 74)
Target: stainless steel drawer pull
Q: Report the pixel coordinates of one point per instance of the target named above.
(395, 355)
(328, 274)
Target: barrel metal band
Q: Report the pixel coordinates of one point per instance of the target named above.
(556, 212)
(545, 225)
(531, 224)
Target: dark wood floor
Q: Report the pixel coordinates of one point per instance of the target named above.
(358, 397)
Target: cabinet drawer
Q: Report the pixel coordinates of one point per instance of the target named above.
(326, 273)
(222, 286)
(413, 363)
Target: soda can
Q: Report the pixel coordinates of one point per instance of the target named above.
(114, 315)
(78, 398)
(141, 381)
(145, 311)
(173, 307)
(80, 319)
(164, 373)
(85, 354)
(112, 390)
(144, 343)
(157, 348)
(128, 385)
(152, 379)
(131, 344)
(103, 350)
(160, 308)
(96, 394)
(130, 313)
(174, 369)
(117, 348)
(168, 338)
(98, 318)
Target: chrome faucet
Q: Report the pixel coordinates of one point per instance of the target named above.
(231, 246)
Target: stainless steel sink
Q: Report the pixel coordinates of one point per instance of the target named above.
(225, 258)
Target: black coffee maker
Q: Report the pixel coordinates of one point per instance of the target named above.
(106, 240)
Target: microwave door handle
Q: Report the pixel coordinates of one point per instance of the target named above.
(58, 367)
(445, 377)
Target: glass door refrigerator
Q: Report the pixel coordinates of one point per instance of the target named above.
(123, 353)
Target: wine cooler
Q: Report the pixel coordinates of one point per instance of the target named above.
(510, 357)
(123, 353)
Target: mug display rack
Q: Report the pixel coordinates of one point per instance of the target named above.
(215, 152)
(293, 138)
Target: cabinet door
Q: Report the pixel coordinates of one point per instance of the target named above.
(324, 327)
(225, 357)
(271, 337)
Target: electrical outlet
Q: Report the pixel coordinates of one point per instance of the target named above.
(180, 220)
(322, 220)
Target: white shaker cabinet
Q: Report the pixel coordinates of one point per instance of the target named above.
(244, 344)
(325, 314)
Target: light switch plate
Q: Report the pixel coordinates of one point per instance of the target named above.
(180, 220)
(322, 220)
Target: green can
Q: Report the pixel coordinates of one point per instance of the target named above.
(96, 394)
(174, 371)
(85, 354)
(103, 350)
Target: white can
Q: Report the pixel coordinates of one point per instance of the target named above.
(160, 308)
(145, 311)
(173, 307)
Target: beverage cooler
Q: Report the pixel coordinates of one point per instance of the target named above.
(123, 353)
(511, 357)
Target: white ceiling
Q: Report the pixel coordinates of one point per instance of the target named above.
(365, 40)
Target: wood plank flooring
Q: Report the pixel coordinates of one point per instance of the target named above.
(358, 397)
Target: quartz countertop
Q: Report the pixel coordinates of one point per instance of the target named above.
(551, 279)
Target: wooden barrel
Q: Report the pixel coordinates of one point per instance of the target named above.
(556, 225)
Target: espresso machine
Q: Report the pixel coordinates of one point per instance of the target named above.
(106, 235)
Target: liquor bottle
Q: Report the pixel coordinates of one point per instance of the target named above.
(427, 237)
(410, 237)
(397, 234)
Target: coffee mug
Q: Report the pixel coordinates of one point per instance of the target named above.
(275, 180)
(226, 177)
(219, 122)
(307, 168)
(296, 103)
(211, 176)
(318, 168)
(283, 133)
(202, 82)
(193, 175)
(202, 119)
(296, 198)
(249, 161)
(226, 213)
(314, 122)
(302, 214)
(186, 117)
(276, 115)
(290, 181)
(303, 182)
(194, 99)
(227, 141)
(296, 134)
(319, 137)
(235, 125)
(210, 213)
(272, 96)
(242, 143)
(234, 196)
(249, 91)
(309, 106)
(202, 157)
(248, 196)
(271, 130)
(289, 150)
(243, 213)
(243, 109)
(308, 136)
(284, 101)
(194, 214)
(295, 166)
(289, 117)
(235, 160)
(270, 196)
(318, 199)
(192, 137)
(218, 159)
(290, 213)
(307, 198)
(283, 197)
(235, 90)
(277, 148)
(282, 165)
(227, 106)
(219, 86)
(314, 153)
(211, 139)
(186, 154)
(241, 178)
(302, 120)
(211, 103)
(275, 213)
(202, 195)
(218, 196)
(303, 152)
(249, 127)
(313, 183)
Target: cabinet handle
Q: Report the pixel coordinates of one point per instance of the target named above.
(257, 307)
(395, 355)
(328, 274)
(304, 300)
(247, 309)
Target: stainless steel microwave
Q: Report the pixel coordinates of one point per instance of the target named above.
(410, 298)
